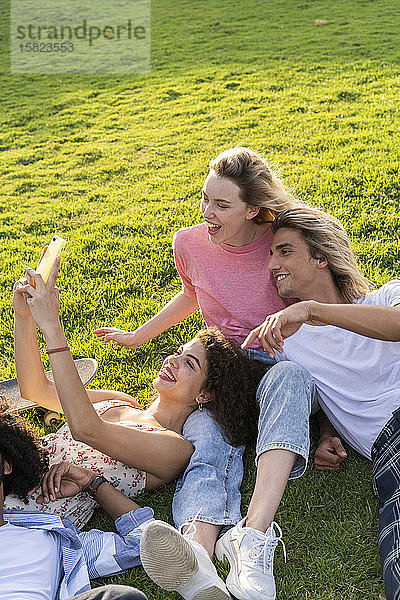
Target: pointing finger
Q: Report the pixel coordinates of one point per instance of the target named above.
(250, 338)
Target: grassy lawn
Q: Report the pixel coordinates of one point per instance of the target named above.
(115, 165)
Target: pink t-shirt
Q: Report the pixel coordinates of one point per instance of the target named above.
(233, 287)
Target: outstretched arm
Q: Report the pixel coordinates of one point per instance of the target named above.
(32, 381)
(378, 322)
(177, 309)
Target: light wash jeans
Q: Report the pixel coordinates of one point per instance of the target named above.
(209, 488)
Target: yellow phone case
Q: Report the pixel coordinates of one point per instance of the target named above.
(54, 249)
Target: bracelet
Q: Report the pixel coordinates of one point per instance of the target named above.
(54, 350)
(92, 487)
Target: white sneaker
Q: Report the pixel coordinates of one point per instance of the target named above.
(250, 554)
(176, 562)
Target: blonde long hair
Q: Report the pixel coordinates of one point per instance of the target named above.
(258, 182)
(325, 236)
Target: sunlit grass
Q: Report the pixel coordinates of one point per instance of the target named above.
(115, 164)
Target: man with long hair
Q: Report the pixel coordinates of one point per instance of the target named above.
(44, 557)
(347, 338)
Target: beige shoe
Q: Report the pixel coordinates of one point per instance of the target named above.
(176, 562)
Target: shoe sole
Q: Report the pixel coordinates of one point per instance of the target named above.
(175, 562)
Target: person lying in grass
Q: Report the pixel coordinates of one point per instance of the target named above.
(44, 557)
(108, 431)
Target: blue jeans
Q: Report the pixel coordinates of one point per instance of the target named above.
(286, 397)
(209, 489)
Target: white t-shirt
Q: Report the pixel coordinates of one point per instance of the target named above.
(29, 564)
(358, 378)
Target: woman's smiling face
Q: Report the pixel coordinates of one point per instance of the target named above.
(183, 373)
(228, 218)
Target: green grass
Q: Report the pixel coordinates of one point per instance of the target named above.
(115, 164)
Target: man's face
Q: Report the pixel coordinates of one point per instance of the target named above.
(295, 272)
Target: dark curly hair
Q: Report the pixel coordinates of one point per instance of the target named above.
(20, 446)
(232, 380)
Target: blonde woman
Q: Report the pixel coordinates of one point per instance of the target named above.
(222, 261)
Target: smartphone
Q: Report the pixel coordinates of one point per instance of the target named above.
(54, 249)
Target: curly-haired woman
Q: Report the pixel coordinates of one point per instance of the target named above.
(108, 431)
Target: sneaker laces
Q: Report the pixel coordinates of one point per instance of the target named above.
(265, 548)
(191, 530)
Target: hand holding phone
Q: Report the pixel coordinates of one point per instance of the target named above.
(53, 250)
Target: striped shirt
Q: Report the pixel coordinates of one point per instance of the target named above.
(88, 554)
